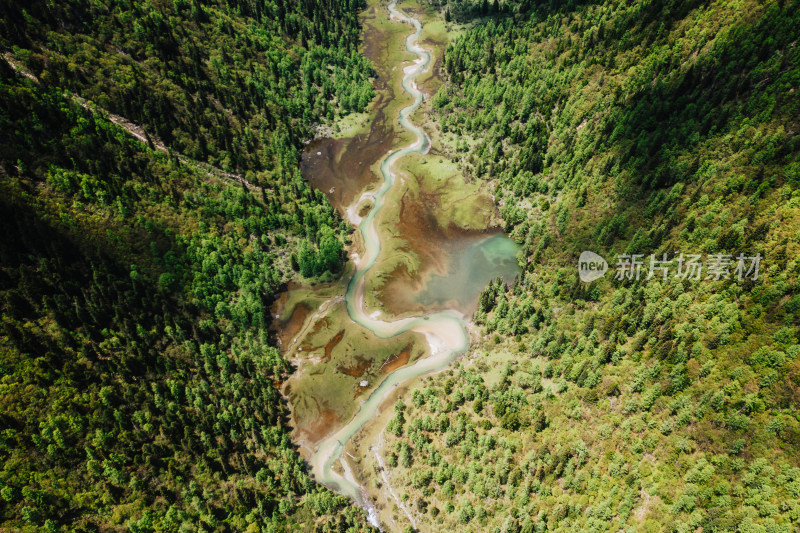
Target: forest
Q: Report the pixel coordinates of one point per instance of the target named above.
(662, 404)
(152, 207)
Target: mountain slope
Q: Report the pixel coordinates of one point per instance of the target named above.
(623, 404)
(138, 374)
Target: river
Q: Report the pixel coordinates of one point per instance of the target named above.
(445, 330)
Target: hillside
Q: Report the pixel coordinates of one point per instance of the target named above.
(661, 404)
(152, 207)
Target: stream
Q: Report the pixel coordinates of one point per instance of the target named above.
(445, 331)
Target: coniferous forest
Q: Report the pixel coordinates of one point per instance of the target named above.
(652, 403)
(140, 256)
(152, 208)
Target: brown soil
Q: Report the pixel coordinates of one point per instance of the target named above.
(365, 209)
(323, 424)
(289, 328)
(429, 240)
(397, 360)
(343, 165)
(329, 346)
(305, 345)
(357, 370)
(332, 344)
(432, 84)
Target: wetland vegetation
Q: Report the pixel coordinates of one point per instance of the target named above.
(433, 235)
(257, 250)
(152, 200)
(637, 405)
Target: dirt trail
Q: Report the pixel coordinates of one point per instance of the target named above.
(132, 128)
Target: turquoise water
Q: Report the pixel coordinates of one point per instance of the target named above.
(445, 331)
(471, 266)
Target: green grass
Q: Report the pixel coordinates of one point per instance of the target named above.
(326, 383)
(467, 205)
(351, 125)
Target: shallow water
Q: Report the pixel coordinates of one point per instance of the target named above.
(472, 264)
(466, 262)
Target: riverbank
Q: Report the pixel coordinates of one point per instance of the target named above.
(334, 357)
(349, 359)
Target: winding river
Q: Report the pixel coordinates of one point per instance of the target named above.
(445, 331)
